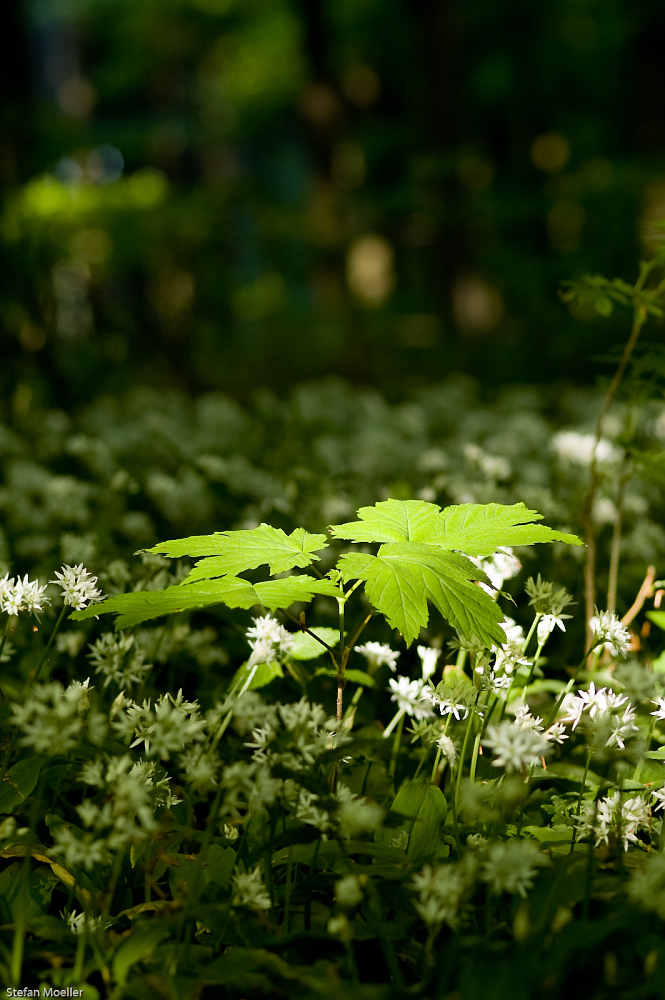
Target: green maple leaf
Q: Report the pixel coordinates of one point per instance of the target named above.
(402, 577)
(234, 592)
(475, 529)
(421, 559)
(233, 552)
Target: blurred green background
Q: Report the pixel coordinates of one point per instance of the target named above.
(225, 194)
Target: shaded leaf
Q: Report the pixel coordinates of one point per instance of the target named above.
(140, 606)
(19, 782)
(305, 646)
(424, 809)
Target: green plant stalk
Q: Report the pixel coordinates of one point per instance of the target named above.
(5, 634)
(474, 754)
(460, 766)
(583, 783)
(438, 751)
(615, 551)
(396, 744)
(639, 319)
(393, 722)
(640, 763)
(534, 623)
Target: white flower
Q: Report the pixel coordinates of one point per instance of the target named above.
(622, 727)
(249, 890)
(355, 814)
(608, 631)
(660, 708)
(428, 659)
(611, 815)
(546, 626)
(409, 697)
(348, 891)
(575, 447)
(77, 922)
(378, 654)
(22, 595)
(78, 586)
(267, 639)
(512, 866)
(659, 796)
(501, 566)
(110, 655)
(440, 892)
(445, 705)
(447, 748)
(515, 746)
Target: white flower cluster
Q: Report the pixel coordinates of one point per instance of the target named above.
(608, 632)
(18, 595)
(118, 660)
(300, 734)
(78, 922)
(501, 566)
(617, 816)
(410, 697)
(520, 744)
(268, 640)
(248, 787)
(511, 866)
(165, 729)
(441, 889)
(53, 718)
(249, 891)
(378, 654)
(126, 815)
(78, 586)
(446, 706)
(601, 706)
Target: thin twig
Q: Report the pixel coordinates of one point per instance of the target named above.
(642, 594)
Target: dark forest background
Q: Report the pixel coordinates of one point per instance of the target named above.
(229, 194)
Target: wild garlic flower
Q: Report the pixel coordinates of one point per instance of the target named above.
(512, 866)
(447, 748)
(78, 922)
(608, 632)
(356, 814)
(249, 890)
(78, 586)
(249, 711)
(572, 446)
(84, 851)
(546, 626)
(268, 640)
(616, 816)
(659, 799)
(602, 706)
(445, 705)
(308, 812)
(348, 892)
(409, 697)
(116, 658)
(441, 889)
(165, 729)
(201, 769)
(501, 566)
(52, 719)
(516, 747)
(22, 595)
(660, 709)
(428, 660)
(379, 654)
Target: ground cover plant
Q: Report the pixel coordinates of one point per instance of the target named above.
(377, 757)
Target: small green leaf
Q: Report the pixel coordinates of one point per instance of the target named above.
(657, 617)
(263, 675)
(305, 646)
(19, 782)
(425, 808)
(140, 945)
(604, 306)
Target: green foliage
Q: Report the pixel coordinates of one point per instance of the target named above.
(416, 566)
